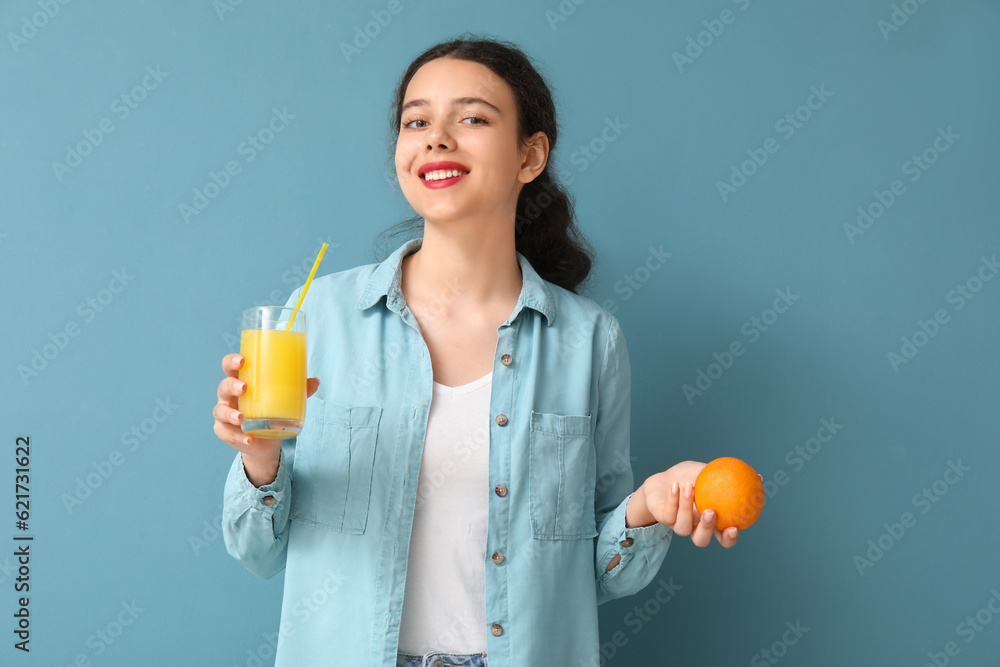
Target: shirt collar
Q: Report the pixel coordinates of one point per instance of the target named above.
(387, 277)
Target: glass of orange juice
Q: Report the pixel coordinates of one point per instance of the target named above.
(274, 368)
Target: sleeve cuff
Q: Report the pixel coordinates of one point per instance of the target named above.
(629, 541)
(269, 498)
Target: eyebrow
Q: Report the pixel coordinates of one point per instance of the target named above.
(458, 101)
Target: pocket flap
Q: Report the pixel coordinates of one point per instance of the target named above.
(548, 422)
(351, 416)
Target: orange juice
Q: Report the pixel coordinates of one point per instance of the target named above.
(275, 372)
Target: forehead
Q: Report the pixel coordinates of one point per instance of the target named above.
(441, 80)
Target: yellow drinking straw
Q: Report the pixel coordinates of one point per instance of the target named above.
(306, 287)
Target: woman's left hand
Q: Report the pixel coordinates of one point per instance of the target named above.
(669, 497)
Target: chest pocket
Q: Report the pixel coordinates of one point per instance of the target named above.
(333, 465)
(562, 473)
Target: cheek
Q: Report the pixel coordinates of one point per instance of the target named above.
(404, 150)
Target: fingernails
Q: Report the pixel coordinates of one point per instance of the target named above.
(246, 440)
(687, 490)
(235, 417)
(240, 386)
(709, 516)
(673, 489)
(238, 360)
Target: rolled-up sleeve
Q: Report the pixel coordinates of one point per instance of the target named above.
(255, 520)
(642, 548)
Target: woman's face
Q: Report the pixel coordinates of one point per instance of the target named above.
(460, 111)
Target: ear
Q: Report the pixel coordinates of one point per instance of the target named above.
(535, 156)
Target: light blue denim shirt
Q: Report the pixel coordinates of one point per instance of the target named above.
(338, 516)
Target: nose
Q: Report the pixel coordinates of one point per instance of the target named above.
(438, 137)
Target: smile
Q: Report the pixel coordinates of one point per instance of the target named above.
(443, 178)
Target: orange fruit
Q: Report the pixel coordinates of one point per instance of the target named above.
(733, 489)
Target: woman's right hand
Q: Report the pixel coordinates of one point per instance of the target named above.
(260, 455)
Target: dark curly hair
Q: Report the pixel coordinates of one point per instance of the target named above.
(544, 229)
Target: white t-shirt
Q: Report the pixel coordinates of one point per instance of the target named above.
(444, 603)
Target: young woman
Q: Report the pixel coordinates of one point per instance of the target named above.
(462, 484)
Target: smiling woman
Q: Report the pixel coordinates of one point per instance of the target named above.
(497, 109)
(473, 331)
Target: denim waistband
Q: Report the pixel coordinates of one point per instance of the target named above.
(437, 659)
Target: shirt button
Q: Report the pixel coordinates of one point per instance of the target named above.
(496, 629)
(501, 490)
(506, 359)
(502, 420)
(267, 500)
(497, 557)
(627, 542)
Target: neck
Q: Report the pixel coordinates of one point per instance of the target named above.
(463, 268)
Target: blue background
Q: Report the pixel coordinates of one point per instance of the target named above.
(148, 534)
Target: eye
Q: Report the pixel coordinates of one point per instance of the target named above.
(482, 121)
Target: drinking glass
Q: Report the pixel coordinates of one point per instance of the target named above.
(274, 369)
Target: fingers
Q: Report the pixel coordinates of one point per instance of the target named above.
(668, 511)
(235, 437)
(231, 364)
(702, 535)
(685, 518)
(312, 385)
(227, 415)
(728, 537)
(230, 389)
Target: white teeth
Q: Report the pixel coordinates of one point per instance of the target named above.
(443, 173)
